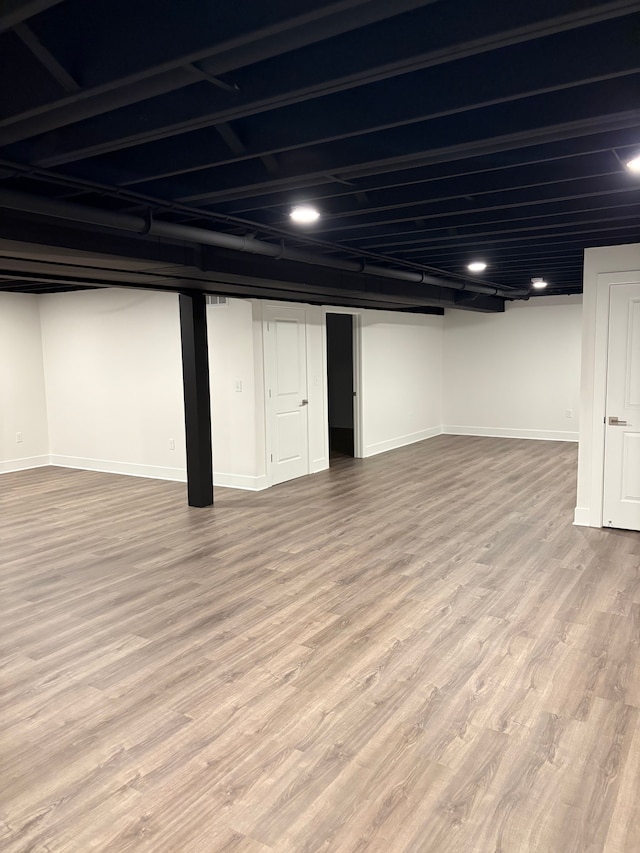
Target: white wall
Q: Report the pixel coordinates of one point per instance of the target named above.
(114, 385)
(514, 374)
(237, 393)
(114, 382)
(401, 379)
(602, 268)
(22, 394)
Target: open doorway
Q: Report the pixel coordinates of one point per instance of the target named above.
(340, 385)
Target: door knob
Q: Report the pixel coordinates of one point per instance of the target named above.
(304, 403)
(614, 421)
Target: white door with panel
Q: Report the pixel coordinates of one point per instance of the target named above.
(621, 504)
(285, 354)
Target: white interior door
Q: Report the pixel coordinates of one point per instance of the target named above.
(621, 505)
(286, 389)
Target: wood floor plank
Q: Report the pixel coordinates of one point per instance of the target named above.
(416, 653)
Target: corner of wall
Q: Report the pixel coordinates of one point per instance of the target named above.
(24, 430)
(44, 376)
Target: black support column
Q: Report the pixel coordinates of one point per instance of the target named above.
(197, 404)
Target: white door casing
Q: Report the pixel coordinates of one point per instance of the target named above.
(285, 360)
(621, 492)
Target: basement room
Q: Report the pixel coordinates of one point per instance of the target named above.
(319, 426)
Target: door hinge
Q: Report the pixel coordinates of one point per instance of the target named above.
(269, 393)
(272, 457)
(268, 327)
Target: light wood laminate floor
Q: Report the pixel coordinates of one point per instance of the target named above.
(417, 653)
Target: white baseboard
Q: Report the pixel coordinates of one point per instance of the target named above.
(499, 432)
(401, 441)
(8, 465)
(156, 472)
(582, 517)
(129, 469)
(240, 481)
(318, 465)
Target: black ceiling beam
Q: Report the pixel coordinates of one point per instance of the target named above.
(25, 267)
(36, 283)
(230, 137)
(176, 73)
(456, 255)
(13, 12)
(144, 203)
(439, 212)
(240, 152)
(493, 187)
(287, 247)
(490, 238)
(461, 223)
(308, 126)
(519, 23)
(403, 241)
(531, 222)
(475, 148)
(523, 266)
(41, 287)
(483, 238)
(91, 102)
(452, 217)
(46, 58)
(325, 282)
(515, 236)
(143, 253)
(245, 281)
(85, 215)
(551, 155)
(466, 244)
(375, 282)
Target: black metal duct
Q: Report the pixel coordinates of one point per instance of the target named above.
(70, 211)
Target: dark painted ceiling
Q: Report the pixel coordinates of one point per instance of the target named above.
(427, 133)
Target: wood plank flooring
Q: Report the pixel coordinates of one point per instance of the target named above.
(417, 653)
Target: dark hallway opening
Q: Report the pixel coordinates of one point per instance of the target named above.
(340, 384)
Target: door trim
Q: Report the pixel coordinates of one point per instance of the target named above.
(605, 281)
(268, 436)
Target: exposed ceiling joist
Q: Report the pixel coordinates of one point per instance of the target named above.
(411, 160)
(46, 58)
(291, 90)
(13, 12)
(178, 72)
(427, 133)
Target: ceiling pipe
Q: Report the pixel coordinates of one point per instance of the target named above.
(60, 209)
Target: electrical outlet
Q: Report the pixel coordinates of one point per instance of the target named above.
(172, 444)
(19, 438)
(569, 413)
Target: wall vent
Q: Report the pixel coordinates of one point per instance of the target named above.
(216, 300)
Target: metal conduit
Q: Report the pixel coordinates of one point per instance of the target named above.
(60, 209)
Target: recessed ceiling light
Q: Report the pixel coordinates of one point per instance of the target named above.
(634, 165)
(304, 214)
(477, 266)
(538, 283)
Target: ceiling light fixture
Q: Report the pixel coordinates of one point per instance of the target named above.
(477, 266)
(304, 214)
(538, 283)
(634, 165)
